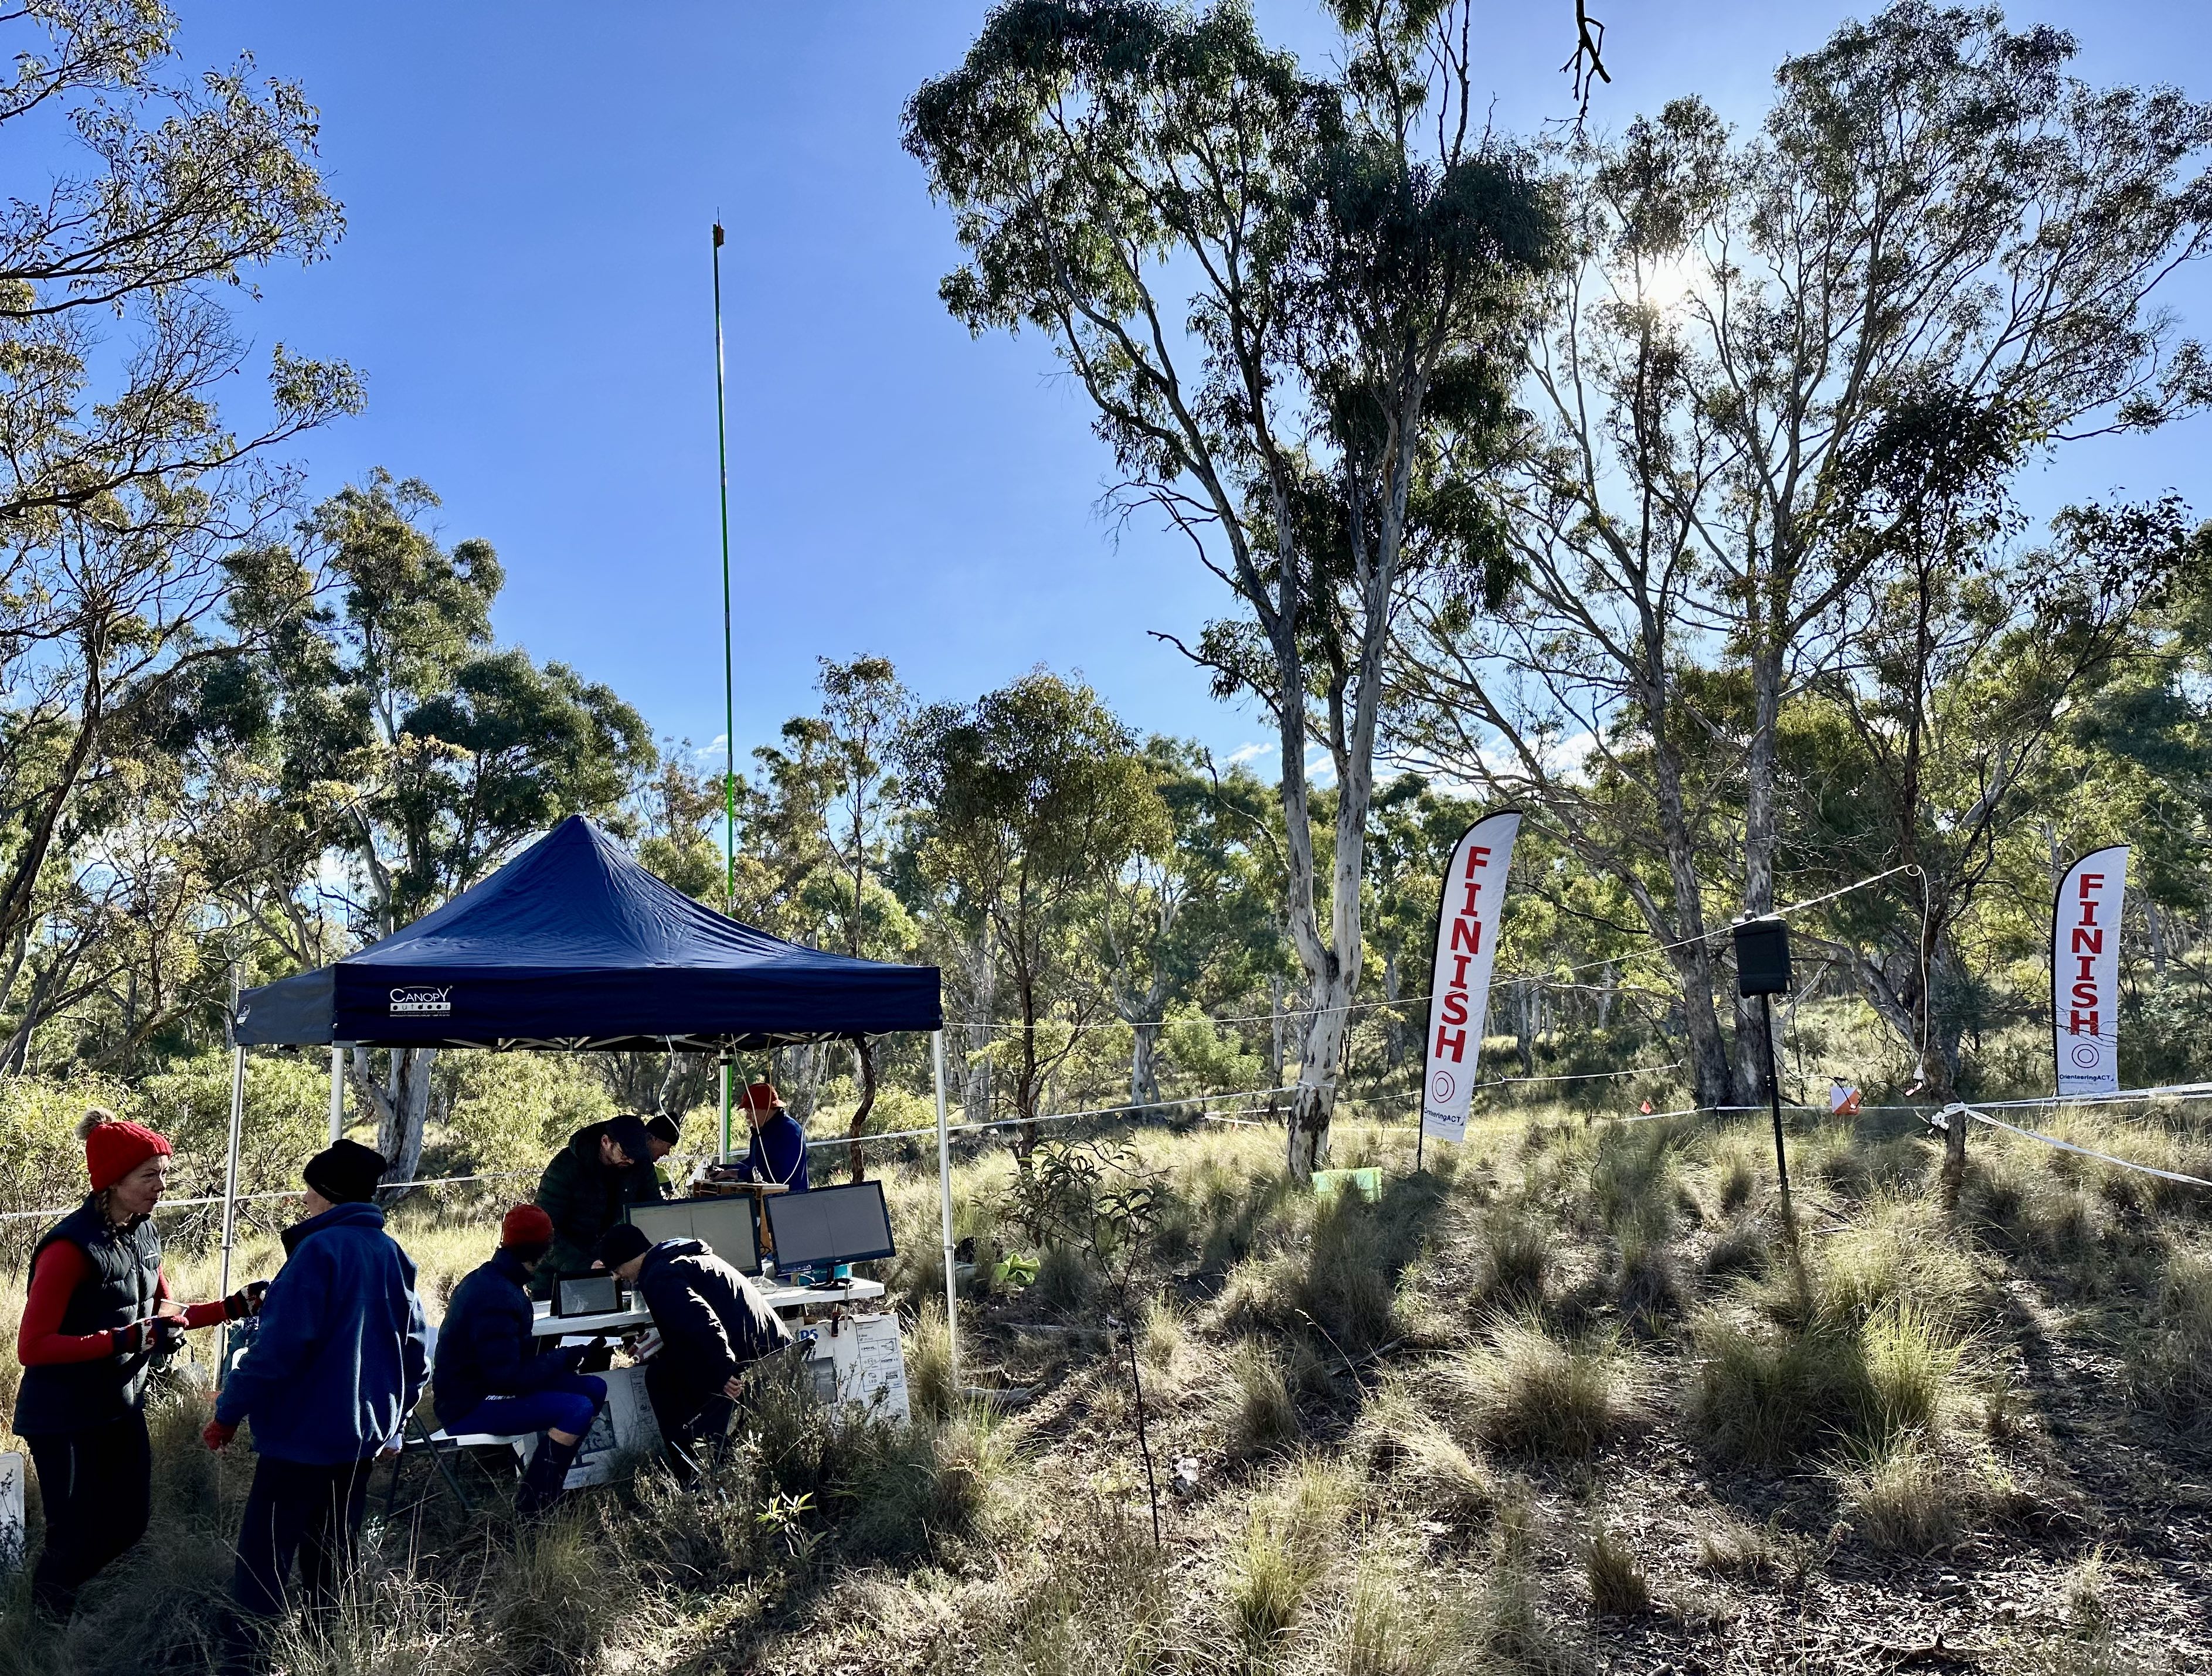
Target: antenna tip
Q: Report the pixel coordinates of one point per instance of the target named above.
(718, 235)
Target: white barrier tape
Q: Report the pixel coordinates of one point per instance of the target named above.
(2086, 1152)
(1056, 1117)
(288, 1193)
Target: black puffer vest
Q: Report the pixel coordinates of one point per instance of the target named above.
(126, 1275)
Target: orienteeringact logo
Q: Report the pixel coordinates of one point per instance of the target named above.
(421, 998)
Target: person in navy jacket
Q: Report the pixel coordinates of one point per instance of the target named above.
(339, 1360)
(779, 1148)
(491, 1377)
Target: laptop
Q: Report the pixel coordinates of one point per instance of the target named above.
(588, 1292)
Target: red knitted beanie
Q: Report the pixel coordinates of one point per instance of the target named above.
(527, 1225)
(114, 1147)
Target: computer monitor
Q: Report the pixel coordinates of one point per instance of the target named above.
(591, 1292)
(724, 1226)
(847, 1224)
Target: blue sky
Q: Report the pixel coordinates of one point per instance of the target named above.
(525, 284)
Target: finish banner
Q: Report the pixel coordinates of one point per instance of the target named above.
(1459, 986)
(2085, 973)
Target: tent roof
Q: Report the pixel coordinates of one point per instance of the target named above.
(573, 944)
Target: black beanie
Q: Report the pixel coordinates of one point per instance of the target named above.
(664, 1128)
(622, 1241)
(346, 1172)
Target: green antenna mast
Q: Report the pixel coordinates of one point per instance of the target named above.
(729, 671)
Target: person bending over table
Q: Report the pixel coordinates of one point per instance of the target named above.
(712, 1323)
(339, 1360)
(489, 1377)
(603, 1169)
(779, 1148)
(97, 1318)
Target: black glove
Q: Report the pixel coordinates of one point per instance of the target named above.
(169, 1338)
(595, 1357)
(246, 1300)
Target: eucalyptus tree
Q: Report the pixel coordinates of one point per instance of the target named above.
(124, 492)
(418, 754)
(1937, 232)
(1026, 804)
(1274, 290)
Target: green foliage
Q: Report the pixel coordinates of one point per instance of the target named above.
(510, 1112)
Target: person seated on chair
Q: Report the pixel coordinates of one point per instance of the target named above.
(779, 1148)
(490, 1376)
(603, 1169)
(337, 1365)
(712, 1326)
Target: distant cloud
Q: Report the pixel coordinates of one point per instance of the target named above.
(1247, 753)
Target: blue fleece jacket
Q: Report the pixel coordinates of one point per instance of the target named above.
(341, 1353)
(779, 1152)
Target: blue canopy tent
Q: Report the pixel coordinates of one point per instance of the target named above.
(573, 947)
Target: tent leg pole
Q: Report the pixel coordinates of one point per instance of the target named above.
(230, 1187)
(944, 1206)
(338, 1092)
(727, 1068)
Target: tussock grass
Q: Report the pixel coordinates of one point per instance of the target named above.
(929, 1386)
(1730, 1548)
(1402, 1444)
(1765, 1396)
(2171, 1362)
(1526, 1391)
(1515, 1261)
(1389, 1626)
(1285, 1550)
(1617, 1584)
(1262, 1418)
(1904, 1499)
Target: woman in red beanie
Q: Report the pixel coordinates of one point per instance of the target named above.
(99, 1316)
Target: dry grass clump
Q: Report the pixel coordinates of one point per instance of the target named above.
(1742, 1247)
(1730, 1548)
(1765, 1397)
(1390, 1625)
(1262, 1418)
(1430, 1474)
(1527, 1392)
(1617, 1584)
(1904, 1499)
(2171, 1367)
(1286, 1547)
(929, 1386)
(1514, 1258)
(1897, 1249)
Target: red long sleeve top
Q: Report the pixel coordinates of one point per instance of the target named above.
(60, 1268)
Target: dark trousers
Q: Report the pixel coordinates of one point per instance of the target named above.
(298, 1511)
(688, 1410)
(96, 1487)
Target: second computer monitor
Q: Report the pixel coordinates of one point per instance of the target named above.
(724, 1226)
(847, 1224)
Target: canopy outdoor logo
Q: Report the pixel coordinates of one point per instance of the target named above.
(421, 998)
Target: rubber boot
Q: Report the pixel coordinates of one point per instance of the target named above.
(542, 1483)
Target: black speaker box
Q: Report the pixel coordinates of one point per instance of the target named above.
(1762, 958)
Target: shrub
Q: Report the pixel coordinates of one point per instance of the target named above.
(902, 1490)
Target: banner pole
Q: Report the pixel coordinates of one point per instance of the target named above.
(944, 1206)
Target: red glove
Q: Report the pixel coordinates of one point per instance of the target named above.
(216, 1435)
